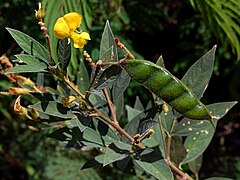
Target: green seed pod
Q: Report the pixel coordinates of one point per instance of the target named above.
(166, 86)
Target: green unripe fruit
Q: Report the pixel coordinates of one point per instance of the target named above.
(166, 86)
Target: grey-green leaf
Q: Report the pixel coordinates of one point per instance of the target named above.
(32, 65)
(108, 49)
(53, 108)
(197, 143)
(30, 45)
(154, 164)
(116, 151)
(199, 74)
(196, 164)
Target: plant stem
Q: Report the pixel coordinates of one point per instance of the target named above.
(109, 121)
(178, 171)
(111, 106)
(169, 137)
(73, 88)
(112, 123)
(163, 138)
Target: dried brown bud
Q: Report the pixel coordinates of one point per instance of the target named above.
(18, 91)
(20, 110)
(25, 80)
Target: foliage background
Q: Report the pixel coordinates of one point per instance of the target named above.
(150, 28)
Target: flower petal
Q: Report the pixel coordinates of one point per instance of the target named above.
(79, 42)
(85, 35)
(73, 20)
(61, 29)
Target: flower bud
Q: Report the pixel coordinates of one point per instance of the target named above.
(40, 13)
(82, 106)
(165, 108)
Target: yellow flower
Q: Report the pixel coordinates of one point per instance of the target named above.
(66, 27)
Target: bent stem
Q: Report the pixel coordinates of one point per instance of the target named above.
(177, 171)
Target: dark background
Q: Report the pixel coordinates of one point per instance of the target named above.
(151, 28)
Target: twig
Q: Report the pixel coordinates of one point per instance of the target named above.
(111, 107)
(163, 138)
(184, 176)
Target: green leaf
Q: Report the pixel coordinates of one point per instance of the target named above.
(33, 65)
(196, 144)
(95, 162)
(30, 45)
(142, 122)
(54, 168)
(196, 164)
(187, 127)
(119, 107)
(131, 112)
(120, 85)
(116, 151)
(46, 96)
(155, 139)
(108, 49)
(177, 150)
(107, 133)
(60, 134)
(219, 178)
(53, 108)
(108, 77)
(138, 105)
(83, 121)
(199, 74)
(153, 163)
(160, 62)
(82, 78)
(64, 53)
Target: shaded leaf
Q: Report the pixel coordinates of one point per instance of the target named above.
(82, 78)
(64, 53)
(108, 77)
(120, 85)
(177, 150)
(46, 96)
(95, 162)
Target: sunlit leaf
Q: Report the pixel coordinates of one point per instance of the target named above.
(108, 50)
(199, 74)
(30, 45)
